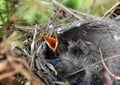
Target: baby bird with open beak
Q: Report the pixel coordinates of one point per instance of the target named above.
(52, 47)
(68, 57)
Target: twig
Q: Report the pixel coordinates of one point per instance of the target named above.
(33, 42)
(66, 9)
(85, 15)
(23, 28)
(51, 67)
(103, 62)
(33, 46)
(106, 13)
(91, 7)
(61, 83)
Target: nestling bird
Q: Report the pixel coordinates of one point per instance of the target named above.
(68, 57)
(52, 47)
(77, 48)
(104, 34)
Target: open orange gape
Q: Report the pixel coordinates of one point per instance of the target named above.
(51, 42)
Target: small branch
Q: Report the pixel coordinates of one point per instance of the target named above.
(33, 42)
(23, 28)
(66, 9)
(103, 62)
(110, 10)
(33, 47)
(91, 7)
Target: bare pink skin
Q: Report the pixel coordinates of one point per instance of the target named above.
(108, 79)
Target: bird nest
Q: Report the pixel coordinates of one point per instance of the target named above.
(75, 49)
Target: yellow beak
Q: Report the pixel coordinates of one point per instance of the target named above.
(51, 42)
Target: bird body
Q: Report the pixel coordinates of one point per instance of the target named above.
(78, 49)
(71, 56)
